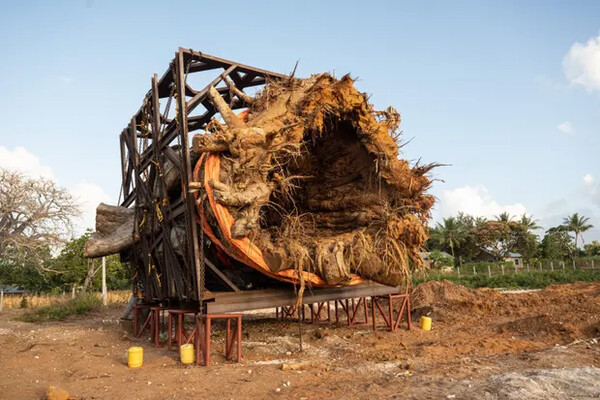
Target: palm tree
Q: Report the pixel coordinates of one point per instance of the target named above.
(529, 223)
(503, 217)
(448, 234)
(578, 225)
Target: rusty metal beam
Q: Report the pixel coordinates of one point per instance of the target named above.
(258, 299)
(142, 151)
(194, 248)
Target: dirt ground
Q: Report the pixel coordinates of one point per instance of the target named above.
(484, 345)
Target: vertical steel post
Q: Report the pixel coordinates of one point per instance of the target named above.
(195, 250)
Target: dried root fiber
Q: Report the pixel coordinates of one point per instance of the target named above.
(311, 175)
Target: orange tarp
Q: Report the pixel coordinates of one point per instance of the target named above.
(243, 249)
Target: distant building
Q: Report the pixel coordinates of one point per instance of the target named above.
(12, 290)
(515, 258)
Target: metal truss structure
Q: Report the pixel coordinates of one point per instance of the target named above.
(162, 266)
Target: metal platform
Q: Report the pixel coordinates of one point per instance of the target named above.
(225, 302)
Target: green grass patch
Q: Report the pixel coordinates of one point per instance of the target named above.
(521, 280)
(78, 306)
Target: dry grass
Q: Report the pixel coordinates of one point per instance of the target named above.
(37, 301)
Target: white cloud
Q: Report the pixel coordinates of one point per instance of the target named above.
(592, 188)
(88, 195)
(581, 64)
(566, 127)
(475, 201)
(588, 180)
(20, 159)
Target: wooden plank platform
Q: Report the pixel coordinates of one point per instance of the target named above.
(225, 302)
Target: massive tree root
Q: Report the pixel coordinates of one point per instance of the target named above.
(312, 179)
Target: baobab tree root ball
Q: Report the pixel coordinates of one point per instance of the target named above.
(311, 177)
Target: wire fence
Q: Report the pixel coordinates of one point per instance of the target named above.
(503, 268)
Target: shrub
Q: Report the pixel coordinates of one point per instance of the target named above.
(522, 280)
(439, 260)
(78, 306)
(24, 303)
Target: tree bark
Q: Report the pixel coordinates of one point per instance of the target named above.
(114, 231)
(230, 118)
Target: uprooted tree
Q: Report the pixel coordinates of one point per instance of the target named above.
(35, 216)
(308, 180)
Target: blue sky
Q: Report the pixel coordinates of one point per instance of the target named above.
(507, 92)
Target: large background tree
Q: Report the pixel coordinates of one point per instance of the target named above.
(592, 249)
(71, 267)
(497, 238)
(35, 217)
(448, 235)
(577, 224)
(557, 244)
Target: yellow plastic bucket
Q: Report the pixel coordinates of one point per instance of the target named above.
(135, 357)
(426, 323)
(186, 353)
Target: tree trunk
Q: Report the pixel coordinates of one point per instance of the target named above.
(90, 276)
(114, 231)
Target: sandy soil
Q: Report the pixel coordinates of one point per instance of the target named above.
(484, 345)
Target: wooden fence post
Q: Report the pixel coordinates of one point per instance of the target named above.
(502, 267)
(73, 292)
(563, 264)
(1, 300)
(528, 270)
(540, 265)
(104, 291)
(458, 270)
(552, 265)
(574, 264)
(592, 263)
(474, 270)
(489, 270)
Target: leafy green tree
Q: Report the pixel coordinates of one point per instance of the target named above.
(67, 269)
(440, 260)
(448, 235)
(577, 224)
(557, 244)
(526, 244)
(592, 249)
(469, 249)
(503, 217)
(75, 269)
(529, 223)
(498, 238)
(467, 237)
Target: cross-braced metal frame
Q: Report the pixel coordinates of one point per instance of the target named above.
(157, 135)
